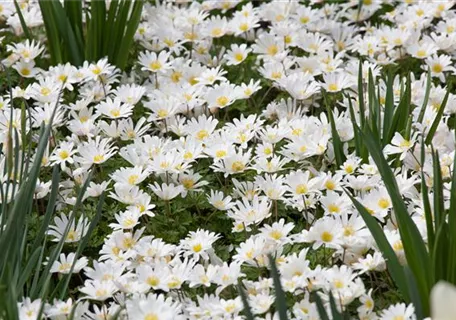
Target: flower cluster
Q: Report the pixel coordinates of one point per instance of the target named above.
(223, 116)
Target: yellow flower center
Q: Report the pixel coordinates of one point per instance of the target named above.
(174, 283)
(176, 76)
(338, 284)
(64, 266)
(188, 183)
(25, 71)
(217, 32)
(155, 65)
(333, 208)
(197, 247)
(222, 101)
(348, 231)
(71, 235)
(405, 144)
(45, 91)
(244, 27)
(170, 43)
(273, 50)
(383, 203)
(100, 293)
(301, 189)
(98, 158)
(96, 70)
(437, 68)
(64, 154)
(132, 179)
(276, 75)
(153, 281)
(115, 112)
(304, 19)
(397, 246)
(421, 53)
(276, 235)
(162, 113)
(326, 236)
(220, 153)
(151, 316)
(349, 169)
(330, 185)
(238, 57)
(333, 87)
(237, 166)
(129, 222)
(116, 251)
(202, 134)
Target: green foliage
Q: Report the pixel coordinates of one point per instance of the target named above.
(22, 268)
(76, 34)
(426, 263)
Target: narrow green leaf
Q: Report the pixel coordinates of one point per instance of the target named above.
(452, 226)
(389, 107)
(337, 143)
(128, 38)
(426, 96)
(362, 105)
(73, 11)
(395, 269)
(82, 244)
(359, 147)
(245, 302)
(50, 208)
(415, 249)
(52, 33)
(320, 307)
(280, 299)
(414, 293)
(438, 117)
(401, 113)
(22, 21)
(67, 34)
(439, 209)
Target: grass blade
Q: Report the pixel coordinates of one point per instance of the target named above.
(22, 21)
(280, 300)
(438, 117)
(395, 269)
(247, 310)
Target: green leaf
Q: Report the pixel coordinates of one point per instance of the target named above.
(415, 249)
(452, 226)
(83, 243)
(72, 47)
(321, 308)
(426, 96)
(389, 107)
(247, 310)
(438, 117)
(401, 113)
(280, 299)
(395, 269)
(52, 32)
(22, 21)
(127, 41)
(337, 143)
(414, 294)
